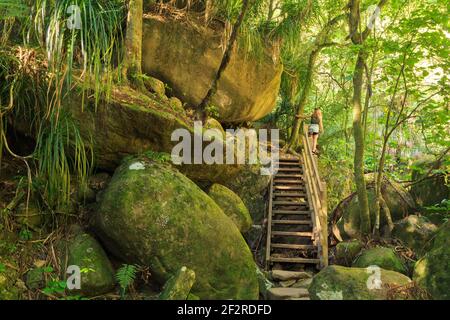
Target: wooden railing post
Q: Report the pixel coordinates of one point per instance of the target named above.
(324, 223)
(318, 199)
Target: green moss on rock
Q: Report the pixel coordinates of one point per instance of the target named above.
(398, 200)
(232, 206)
(432, 190)
(8, 279)
(152, 215)
(414, 232)
(342, 283)
(97, 273)
(347, 251)
(179, 286)
(384, 258)
(431, 272)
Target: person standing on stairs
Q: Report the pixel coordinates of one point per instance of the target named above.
(315, 128)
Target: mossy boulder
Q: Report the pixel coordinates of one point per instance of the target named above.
(179, 286)
(150, 214)
(232, 206)
(35, 278)
(177, 53)
(342, 283)
(414, 231)
(97, 273)
(429, 191)
(31, 216)
(398, 200)
(347, 251)
(155, 85)
(8, 278)
(176, 104)
(251, 186)
(431, 272)
(384, 258)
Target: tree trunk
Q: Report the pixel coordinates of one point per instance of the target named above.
(132, 65)
(358, 135)
(293, 140)
(225, 59)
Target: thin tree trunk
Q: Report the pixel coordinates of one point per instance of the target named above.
(293, 140)
(132, 65)
(359, 145)
(358, 38)
(321, 42)
(225, 59)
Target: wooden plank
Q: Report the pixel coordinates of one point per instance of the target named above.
(293, 246)
(290, 188)
(292, 234)
(269, 226)
(288, 175)
(290, 169)
(287, 163)
(297, 181)
(289, 203)
(294, 195)
(292, 212)
(294, 260)
(293, 222)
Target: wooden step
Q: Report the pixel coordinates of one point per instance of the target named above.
(296, 222)
(288, 175)
(292, 212)
(279, 293)
(289, 203)
(288, 163)
(290, 169)
(293, 246)
(299, 182)
(293, 195)
(289, 188)
(294, 260)
(292, 234)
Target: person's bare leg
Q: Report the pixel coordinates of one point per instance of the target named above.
(314, 146)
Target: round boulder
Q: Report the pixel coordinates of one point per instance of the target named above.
(432, 271)
(232, 206)
(384, 258)
(150, 214)
(414, 231)
(97, 273)
(347, 251)
(342, 283)
(398, 200)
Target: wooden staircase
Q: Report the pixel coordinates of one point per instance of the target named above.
(290, 237)
(297, 216)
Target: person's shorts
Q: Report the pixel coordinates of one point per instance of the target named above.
(313, 129)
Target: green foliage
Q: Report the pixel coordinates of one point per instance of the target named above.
(55, 287)
(158, 156)
(60, 151)
(212, 111)
(2, 268)
(25, 234)
(95, 47)
(125, 276)
(12, 8)
(441, 208)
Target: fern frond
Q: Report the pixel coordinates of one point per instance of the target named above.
(126, 275)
